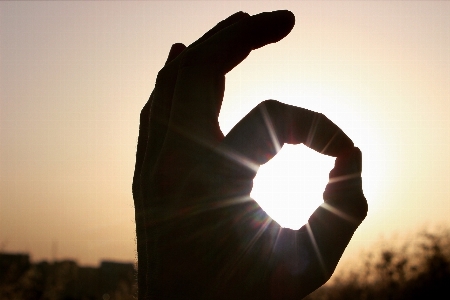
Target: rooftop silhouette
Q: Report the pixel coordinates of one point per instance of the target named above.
(22, 279)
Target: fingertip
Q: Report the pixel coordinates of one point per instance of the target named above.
(175, 50)
(239, 14)
(271, 27)
(178, 45)
(357, 154)
(351, 159)
(288, 16)
(286, 21)
(284, 15)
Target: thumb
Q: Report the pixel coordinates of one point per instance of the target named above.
(344, 189)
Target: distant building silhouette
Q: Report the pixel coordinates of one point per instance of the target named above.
(12, 266)
(20, 279)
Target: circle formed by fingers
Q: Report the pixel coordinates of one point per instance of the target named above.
(262, 132)
(289, 187)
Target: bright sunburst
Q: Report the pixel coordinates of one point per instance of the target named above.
(289, 187)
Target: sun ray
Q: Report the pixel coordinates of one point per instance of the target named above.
(312, 129)
(275, 243)
(231, 268)
(344, 177)
(222, 150)
(211, 205)
(237, 157)
(329, 142)
(269, 126)
(316, 249)
(339, 213)
(261, 230)
(196, 209)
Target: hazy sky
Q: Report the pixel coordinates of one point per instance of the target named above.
(74, 76)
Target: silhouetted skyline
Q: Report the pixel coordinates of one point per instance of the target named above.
(76, 74)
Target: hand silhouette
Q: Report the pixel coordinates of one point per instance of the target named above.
(199, 234)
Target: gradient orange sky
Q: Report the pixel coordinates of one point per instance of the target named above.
(74, 76)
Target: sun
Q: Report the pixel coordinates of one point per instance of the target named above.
(289, 187)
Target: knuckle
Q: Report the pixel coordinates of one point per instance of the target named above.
(321, 115)
(270, 104)
(271, 107)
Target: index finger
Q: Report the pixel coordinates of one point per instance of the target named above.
(201, 81)
(227, 48)
(264, 130)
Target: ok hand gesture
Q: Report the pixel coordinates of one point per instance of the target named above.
(199, 234)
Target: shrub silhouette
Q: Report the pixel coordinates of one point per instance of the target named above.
(66, 280)
(417, 269)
